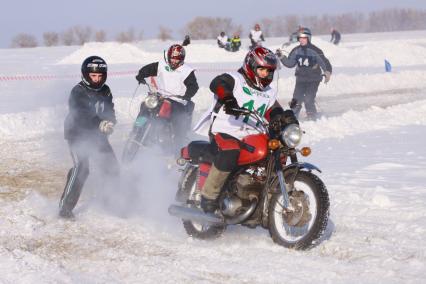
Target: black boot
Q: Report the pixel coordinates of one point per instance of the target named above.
(66, 214)
(209, 205)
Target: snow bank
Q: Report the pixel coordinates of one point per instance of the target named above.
(112, 52)
(372, 119)
(371, 53)
(351, 54)
(117, 53)
(341, 84)
(24, 125)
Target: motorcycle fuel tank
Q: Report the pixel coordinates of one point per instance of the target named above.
(259, 144)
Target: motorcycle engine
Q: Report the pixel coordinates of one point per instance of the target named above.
(246, 187)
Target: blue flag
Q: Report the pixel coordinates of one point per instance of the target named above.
(388, 66)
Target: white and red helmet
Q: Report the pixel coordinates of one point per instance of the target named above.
(256, 58)
(175, 56)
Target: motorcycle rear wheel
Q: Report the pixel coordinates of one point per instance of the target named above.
(302, 227)
(192, 228)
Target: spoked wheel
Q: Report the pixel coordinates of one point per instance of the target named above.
(136, 139)
(303, 224)
(193, 228)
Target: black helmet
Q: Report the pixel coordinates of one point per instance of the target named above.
(94, 64)
(304, 32)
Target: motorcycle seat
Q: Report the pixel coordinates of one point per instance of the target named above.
(201, 152)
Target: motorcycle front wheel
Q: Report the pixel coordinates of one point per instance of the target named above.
(136, 139)
(304, 223)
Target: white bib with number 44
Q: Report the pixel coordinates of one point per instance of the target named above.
(250, 99)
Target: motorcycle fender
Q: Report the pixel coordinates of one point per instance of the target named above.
(140, 121)
(165, 109)
(299, 166)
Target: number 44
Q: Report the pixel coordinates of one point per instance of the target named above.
(250, 106)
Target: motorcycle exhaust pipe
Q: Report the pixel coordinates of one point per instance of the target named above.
(194, 214)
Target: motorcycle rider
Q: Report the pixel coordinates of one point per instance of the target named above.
(310, 60)
(248, 88)
(176, 78)
(90, 121)
(256, 36)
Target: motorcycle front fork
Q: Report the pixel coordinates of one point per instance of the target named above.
(281, 180)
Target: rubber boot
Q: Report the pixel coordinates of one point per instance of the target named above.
(211, 189)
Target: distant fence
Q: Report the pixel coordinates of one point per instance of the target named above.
(48, 77)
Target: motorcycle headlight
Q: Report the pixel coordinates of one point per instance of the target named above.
(151, 101)
(292, 135)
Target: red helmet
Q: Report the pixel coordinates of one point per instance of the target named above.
(257, 27)
(175, 56)
(256, 58)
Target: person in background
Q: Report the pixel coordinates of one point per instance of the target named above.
(235, 43)
(186, 40)
(256, 36)
(310, 61)
(90, 121)
(222, 40)
(335, 36)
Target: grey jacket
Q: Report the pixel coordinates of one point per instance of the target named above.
(309, 60)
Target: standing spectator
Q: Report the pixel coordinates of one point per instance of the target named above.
(335, 36)
(310, 60)
(186, 41)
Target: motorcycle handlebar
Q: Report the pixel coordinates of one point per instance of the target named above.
(172, 97)
(253, 114)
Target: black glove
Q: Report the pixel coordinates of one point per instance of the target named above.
(282, 119)
(140, 79)
(293, 103)
(278, 53)
(288, 117)
(231, 105)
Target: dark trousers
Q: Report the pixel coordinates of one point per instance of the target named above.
(227, 152)
(181, 121)
(305, 92)
(99, 151)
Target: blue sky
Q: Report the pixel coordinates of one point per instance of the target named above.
(36, 17)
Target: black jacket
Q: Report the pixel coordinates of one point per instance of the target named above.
(309, 60)
(87, 108)
(151, 70)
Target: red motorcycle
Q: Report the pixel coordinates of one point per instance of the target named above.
(270, 188)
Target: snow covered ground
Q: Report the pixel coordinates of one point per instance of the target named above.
(369, 145)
